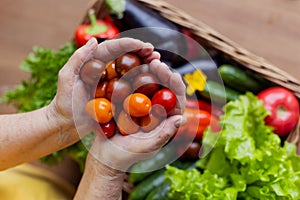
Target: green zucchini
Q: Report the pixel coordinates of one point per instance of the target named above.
(160, 192)
(141, 191)
(218, 93)
(143, 169)
(239, 80)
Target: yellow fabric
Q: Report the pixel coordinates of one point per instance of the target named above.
(27, 182)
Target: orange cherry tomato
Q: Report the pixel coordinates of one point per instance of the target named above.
(111, 70)
(100, 109)
(137, 105)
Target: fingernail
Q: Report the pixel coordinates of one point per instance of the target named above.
(180, 121)
(90, 42)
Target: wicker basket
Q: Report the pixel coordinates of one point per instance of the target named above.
(212, 40)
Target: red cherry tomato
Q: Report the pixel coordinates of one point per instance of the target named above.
(108, 129)
(284, 109)
(167, 99)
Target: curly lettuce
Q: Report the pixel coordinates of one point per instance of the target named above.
(247, 162)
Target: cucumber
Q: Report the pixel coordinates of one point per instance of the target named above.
(145, 187)
(218, 93)
(239, 80)
(143, 169)
(160, 192)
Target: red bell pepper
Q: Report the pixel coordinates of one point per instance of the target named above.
(197, 121)
(283, 107)
(101, 29)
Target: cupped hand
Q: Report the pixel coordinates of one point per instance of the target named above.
(120, 152)
(73, 92)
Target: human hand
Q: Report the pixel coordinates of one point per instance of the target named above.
(68, 106)
(120, 152)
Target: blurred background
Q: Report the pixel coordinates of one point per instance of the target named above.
(268, 28)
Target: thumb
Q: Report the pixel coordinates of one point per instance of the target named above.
(166, 130)
(79, 57)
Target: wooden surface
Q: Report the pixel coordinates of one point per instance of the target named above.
(268, 28)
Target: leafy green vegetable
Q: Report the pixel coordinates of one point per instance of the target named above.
(247, 161)
(39, 89)
(116, 7)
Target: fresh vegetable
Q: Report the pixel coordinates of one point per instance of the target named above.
(111, 70)
(145, 187)
(239, 79)
(43, 65)
(283, 107)
(146, 83)
(156, 179)
(117, 90)
(247, 160)
(195, 81)
(150, 26)
(100, 29)
(100, 109)
(137, 105)
(218, 93)
(108, 129)
(142, 169)
(203, 105)
(90, 72)
(206, 66)
(197, 121)
(165, 98)
(100, 89)
(192, 151)
(126, 62)
(160, 192)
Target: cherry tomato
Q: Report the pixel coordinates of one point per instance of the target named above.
(137, 105)
(100, 90)
(149, 122)
(117, 90)
(127, 124)
(111, 70)
(127, 62)
(100, 109)
(146, 83)
(167, 99)
(284, 109)
(108, 129)
(92, 71)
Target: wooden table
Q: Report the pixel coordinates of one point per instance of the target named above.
(269, 28)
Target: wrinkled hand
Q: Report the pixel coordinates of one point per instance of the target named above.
(120, 152)
(68, 106)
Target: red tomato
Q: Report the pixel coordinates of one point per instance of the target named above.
(284, 109)
(108, 129)
(167, 99)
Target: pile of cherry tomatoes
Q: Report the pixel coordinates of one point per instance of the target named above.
(127, 100)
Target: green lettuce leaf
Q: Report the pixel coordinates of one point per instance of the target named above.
(246, 160)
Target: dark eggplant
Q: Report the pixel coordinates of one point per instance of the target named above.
(151, 27)
(208, 67)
